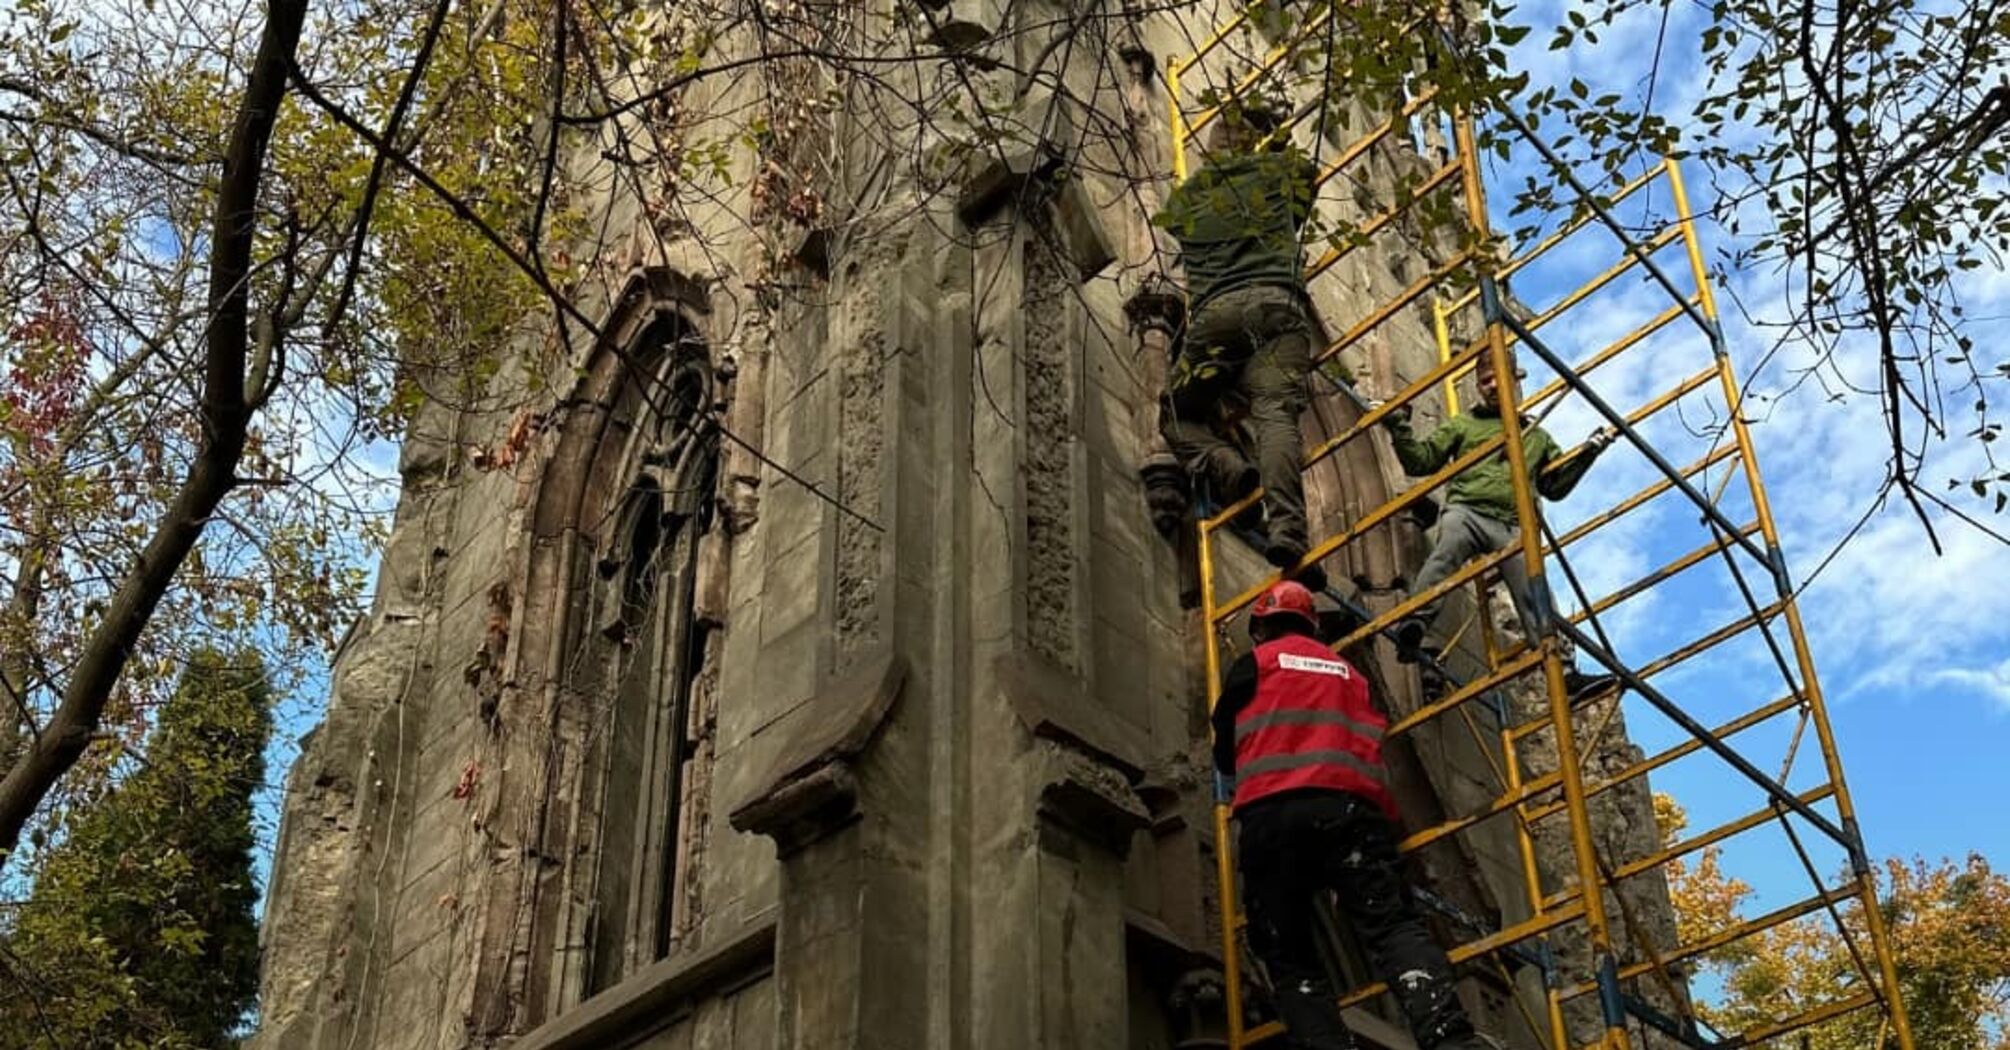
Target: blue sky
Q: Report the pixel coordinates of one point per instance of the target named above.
(1913, 650)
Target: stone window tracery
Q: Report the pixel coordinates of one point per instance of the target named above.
(642, 659)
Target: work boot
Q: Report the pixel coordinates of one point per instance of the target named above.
(1287, 550)
(1313, 577)
(1437, 1021)
(1431, 681)
(1580, 686)
(1311, 1020)
(1408, 634)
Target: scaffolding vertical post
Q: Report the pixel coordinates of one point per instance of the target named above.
(1224, 854)
(1442, 329)
(1531, 872)
(1231, 958)
(1568, 767)
(1810, 685)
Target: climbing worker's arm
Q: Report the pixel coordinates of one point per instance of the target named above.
(1237, 689)
(1558, 472)
(1426, 456)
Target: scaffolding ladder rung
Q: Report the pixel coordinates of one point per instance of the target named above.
(1214, 39)
(1362, 527)
(1563, 233)
(1687, 652)
(1458, 577)
(1730, 935)
(1686, 747)
(1500, 940)
(1645, 495)
(1376, 134)
(1249, 79)
(1694, 843)
(1374, 226)
(1640, 415)
(1376, 415)
(1619, 269)
(1477, 686)
(1499, 805)
(1264, 1032)
(1409, 295)
(1665, 572)
(1556, 387)
(1828, 1011)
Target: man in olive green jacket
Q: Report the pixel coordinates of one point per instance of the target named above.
(1479, 515)
(1249, 338)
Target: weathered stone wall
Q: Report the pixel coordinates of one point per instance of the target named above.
(941, 777)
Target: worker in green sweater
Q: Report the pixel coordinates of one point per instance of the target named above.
(1248, 342)
(1479, 516)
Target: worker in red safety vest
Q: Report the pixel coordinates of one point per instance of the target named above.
(1300, 741)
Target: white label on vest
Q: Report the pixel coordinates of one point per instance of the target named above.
(1295, 662)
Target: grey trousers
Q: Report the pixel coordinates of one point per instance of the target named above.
(1254, 344)
(1463, 534)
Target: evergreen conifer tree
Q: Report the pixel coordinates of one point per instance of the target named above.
(140, 930)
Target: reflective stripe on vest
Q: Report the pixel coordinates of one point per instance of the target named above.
(1310, 725)
(1246, 726)
(1302, 759)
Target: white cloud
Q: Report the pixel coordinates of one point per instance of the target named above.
(1992, 681)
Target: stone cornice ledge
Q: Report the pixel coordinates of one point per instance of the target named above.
(811, 787)
(1052, 703)
(659, 993)
(1094, 758)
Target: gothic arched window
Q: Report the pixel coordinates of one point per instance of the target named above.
(641, 663)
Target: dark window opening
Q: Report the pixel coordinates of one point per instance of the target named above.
(648, 654)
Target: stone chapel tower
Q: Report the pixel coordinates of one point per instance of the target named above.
(784, 655)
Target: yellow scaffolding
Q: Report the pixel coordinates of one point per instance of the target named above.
(1739, 546)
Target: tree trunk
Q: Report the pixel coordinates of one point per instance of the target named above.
(226, 416)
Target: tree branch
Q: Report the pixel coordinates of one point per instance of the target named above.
(375, 182)
(560, 302)
(115, 143)
(225, 417)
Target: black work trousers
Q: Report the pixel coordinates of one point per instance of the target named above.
(1297, 846)
(1255, 345)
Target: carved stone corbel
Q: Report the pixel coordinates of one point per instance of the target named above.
(811, 787)
(1028, 167)
(1093, 758)
(1199, 1005)
(1031, 146)
(960, 25)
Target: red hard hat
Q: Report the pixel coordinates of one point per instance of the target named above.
(1285, 598)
